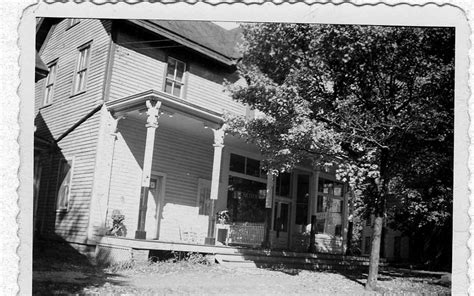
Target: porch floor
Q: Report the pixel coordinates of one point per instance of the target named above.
(138, 244)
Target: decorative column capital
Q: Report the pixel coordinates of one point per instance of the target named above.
(219, 137)
(153, 113)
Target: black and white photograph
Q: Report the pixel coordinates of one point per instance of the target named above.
(186, 155)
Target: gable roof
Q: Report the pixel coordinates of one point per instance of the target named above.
(203, 36)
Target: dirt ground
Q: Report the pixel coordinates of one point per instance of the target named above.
(59, 269)
(184, 278)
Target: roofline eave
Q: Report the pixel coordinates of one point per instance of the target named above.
(137, 102)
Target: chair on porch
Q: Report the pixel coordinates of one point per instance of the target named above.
(188, 235)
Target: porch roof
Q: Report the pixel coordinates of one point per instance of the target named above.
(137, 102)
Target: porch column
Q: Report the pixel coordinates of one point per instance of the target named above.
(216, 174)
(153, 113)
(268, 209)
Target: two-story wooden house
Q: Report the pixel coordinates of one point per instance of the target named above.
(133, 110)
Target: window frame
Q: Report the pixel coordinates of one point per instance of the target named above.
(182, 83)
(262, 174)
(87, 47)
(48, 97)
(71, 162)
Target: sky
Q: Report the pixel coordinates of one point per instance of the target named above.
(227, 25)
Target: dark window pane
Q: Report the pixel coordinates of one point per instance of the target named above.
(253, 167)
(179, 71)
(283, 184)
(302, 192)
(325, 186)
(320, 225)
(301, 214)
(319, 205)
(171, 68)
(237, 163)
(338, 230)
(244, 200)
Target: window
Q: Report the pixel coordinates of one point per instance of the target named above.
(50, 80)
(338, 230)
(330, 205)
(367, 246)
(302, 200)
(65, 184)
(280, 218)
(246, 200)
(80, 75)
(245, 165)
(204, 197)
(72, 22)
(174, 77)
(283, 182)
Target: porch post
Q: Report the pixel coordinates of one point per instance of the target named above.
(216, 172)
(151, 125)
(268, 209)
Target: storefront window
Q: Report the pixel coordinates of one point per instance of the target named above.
(329, 207)
(302, 200)
(246, 200)
(245, 165)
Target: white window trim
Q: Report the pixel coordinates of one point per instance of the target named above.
(70, 160)
(48, 100)
(80, 49)
(173, 80)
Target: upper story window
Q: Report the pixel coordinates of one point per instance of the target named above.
(175, 77)
(72, 22)
(50, 80)
(80, 74)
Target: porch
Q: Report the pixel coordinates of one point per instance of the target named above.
(113, 250)
(171, 189)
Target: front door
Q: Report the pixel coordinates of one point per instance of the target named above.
(301, 191)
(154, 207)
(281, 223)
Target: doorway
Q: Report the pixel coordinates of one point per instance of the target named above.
(155, 206)
(281, 223)
(302, 193)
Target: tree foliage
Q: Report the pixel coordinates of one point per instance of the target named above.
(376, 101)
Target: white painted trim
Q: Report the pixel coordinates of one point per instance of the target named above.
(248, 177)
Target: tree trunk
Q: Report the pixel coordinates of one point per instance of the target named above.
(375, 254)
(381, 187)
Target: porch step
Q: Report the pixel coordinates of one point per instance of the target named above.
(297, 261)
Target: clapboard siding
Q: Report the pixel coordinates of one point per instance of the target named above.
(64, 112)
(183, 158)
(137, 70)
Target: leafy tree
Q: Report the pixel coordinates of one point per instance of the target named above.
(367, 99)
